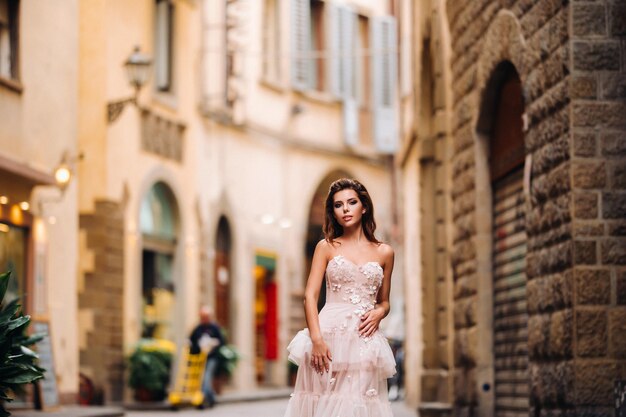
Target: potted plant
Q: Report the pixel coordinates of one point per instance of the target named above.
(227, 358)
(17, 361)
(150, 364)
(292, 373)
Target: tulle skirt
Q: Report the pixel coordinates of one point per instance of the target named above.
(356, 383)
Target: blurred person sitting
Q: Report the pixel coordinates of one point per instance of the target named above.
(207, 337)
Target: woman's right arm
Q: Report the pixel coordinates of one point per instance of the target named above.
(320, 355)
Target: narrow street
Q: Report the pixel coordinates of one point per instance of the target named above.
(198, 190)
(267, 408)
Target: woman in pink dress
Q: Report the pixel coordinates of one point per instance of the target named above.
(344, 361)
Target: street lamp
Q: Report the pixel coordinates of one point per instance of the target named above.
(62, 176)
(137, 70)
(64, 172)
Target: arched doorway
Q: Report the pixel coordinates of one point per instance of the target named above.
(314, 228)
(501, 122)
(313, 236)
(159, 228)
(223, 245)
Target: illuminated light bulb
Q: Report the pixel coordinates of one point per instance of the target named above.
(62, 175)
(24, 205)
(4, 199)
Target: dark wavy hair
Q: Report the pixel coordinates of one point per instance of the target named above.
(332, 229)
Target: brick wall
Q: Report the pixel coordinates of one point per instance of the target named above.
(101, 298)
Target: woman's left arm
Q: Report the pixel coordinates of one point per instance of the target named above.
(371, 320)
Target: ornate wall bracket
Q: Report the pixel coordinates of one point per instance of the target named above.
(115, 108)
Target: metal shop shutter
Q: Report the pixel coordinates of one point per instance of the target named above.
(509, 291)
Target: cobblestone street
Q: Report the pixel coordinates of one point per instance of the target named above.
(269, 408)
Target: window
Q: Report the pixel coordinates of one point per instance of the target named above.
(318, 46)
(271, 41)
(383, 78)
(9, 38)
(159, 224)
(323, 42)
(163, 45)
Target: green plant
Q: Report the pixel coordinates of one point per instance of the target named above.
(150, 365)
(292, 373)
(17, 361)
(292, 367)
(227, 358)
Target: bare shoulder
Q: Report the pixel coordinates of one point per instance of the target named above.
(324, 248)
(386, 252)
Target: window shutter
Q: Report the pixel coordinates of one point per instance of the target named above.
(348, 19)
(384, 76)
(335, 49)
(341, 65)
(349, 36)
(301, 44)
(162, 59)
(341, 49)
(213, 55)
(351, 121)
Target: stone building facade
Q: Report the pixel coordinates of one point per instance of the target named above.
(423, 163)
(536, 242)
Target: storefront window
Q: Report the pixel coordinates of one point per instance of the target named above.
(158, 227)
(13, 258)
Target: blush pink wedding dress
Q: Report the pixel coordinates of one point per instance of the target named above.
(356, 383)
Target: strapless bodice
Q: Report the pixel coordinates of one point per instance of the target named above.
(349, 283)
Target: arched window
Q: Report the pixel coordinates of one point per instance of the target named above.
(157, 217)
(158, 222)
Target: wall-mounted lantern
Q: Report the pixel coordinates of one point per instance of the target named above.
(137, 70)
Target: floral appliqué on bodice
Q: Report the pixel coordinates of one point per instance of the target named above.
(347, 282)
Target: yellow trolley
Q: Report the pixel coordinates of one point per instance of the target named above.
(188, 386)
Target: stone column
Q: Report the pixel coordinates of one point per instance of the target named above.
(100, 299)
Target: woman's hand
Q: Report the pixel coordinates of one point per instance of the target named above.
(370, 321)
(320, 356)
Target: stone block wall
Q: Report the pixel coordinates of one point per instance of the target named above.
(101, 299)
(533, 36)
(598, 208)
(434, 153)
(571, 58)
